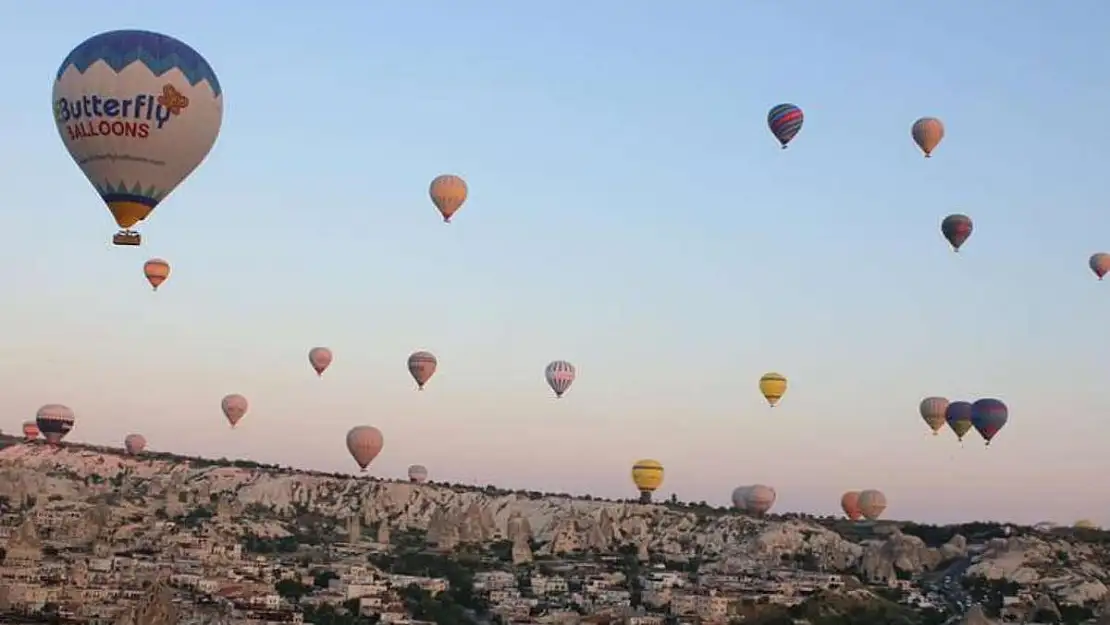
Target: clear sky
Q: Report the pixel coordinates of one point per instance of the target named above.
(629, 212)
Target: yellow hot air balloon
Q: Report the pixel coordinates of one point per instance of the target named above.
(773, 387)
(647, 474)
(1086, 524)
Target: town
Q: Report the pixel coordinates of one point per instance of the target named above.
(98, 538)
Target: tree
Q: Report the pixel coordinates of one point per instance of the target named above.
(321, 579)
(292, 590)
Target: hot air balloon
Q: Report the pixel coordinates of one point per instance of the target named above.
(138, 112)
(740, 498)
(958, 417)
(988, 416)
(927, 133)
(448, 194)
(933, 411)
(773, 387)
(1100, 264)
(422, 365)
(320, 359)
(849, 503)
(54, 421)
(418, 474)
(560, 375)
(785, 120)
(647, 475)
(30, 430)
(365, 443)
(759, 499)
(1086, 524)
(234, 407)
(872, 503)
(156, 271)
(134, 444)
(956, 228)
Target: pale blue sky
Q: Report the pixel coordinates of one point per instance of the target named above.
(629, 212)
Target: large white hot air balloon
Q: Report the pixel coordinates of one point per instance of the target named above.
(418, 474)
(138, 111)
(759, 499)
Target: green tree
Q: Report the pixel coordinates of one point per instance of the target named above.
(292, 590)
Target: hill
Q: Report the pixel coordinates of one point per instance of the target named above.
(278, 509)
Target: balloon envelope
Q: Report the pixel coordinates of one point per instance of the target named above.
(872, 503)
(927, 133)
(156, 271)
(418, 474)
(560, 374)
(235, 408)
(849, 503)
(647, 475)
(957, 229)
(448, 194)
(759, 499)
(933, 411)
(54, 422)
(30, 430)
(785, 120)
(134, 444)
(988, 416)
(740, 497)
(138, 111)
(364, 442)
(422, 365)
(320, 358)
(1100, 264)
(958, 417)
(773, 386)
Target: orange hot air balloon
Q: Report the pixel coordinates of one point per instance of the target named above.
(156, 271)
(849, 503)
(448, 194)
(364, 442)
(30, 430)
(927, 133)
(234, 407)
(320, 359)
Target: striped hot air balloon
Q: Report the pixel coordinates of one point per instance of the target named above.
(933, 410)
(785, 120)
(422, 366)
(560, 374)
(54, 421)
(773, 386)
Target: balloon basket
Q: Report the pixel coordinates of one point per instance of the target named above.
(127, 237)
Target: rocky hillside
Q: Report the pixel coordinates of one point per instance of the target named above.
(270, 502)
